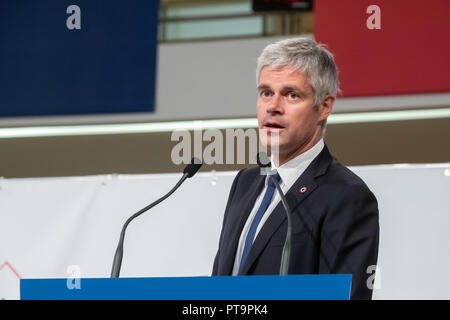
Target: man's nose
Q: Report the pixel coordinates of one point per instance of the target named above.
(275, 105)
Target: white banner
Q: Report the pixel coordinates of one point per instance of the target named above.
(53, 227)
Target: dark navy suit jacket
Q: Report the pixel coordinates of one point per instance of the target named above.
(341, 213)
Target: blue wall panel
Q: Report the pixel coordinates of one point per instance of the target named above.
(106, 66)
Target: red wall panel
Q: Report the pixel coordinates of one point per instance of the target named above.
(409, 54)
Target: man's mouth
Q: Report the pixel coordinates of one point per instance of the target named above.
(272, 125)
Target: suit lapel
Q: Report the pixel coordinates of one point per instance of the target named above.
(301, 189)
(242, 216)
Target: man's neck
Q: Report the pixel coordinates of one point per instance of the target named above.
(286, 157)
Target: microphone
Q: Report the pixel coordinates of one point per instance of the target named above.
(286, 253)
(263, 160)
(188, 172)
(192, 167)
(264, 163)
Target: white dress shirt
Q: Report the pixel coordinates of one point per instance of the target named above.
(289, 173)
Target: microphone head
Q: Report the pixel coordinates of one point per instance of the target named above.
(193, 167)
(263, 160)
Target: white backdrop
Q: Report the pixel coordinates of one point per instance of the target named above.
(49, 224)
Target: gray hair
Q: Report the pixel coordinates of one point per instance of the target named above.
(305, 55)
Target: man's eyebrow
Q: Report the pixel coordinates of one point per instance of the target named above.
(263, 86)
(285, 89)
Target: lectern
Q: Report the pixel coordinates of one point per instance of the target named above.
(289, 287)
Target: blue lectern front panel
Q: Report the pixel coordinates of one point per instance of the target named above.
(293, 287)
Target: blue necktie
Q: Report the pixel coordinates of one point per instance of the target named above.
(259, 214)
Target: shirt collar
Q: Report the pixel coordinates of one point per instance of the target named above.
(291, 170)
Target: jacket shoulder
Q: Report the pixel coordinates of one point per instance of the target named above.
(341, 176)
(249, 173)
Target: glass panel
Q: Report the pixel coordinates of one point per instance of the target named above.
(207, 10)
(212, 19)
(213, 28)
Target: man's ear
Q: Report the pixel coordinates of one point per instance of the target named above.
(326, 107)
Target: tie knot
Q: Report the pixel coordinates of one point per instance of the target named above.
(277, 178)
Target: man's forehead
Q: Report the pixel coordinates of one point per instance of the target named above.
(283, 76)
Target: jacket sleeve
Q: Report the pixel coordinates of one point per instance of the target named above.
(230, 199)
(350, 237)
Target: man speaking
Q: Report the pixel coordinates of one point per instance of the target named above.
(297, 86)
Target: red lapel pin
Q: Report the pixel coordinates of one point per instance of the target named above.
(303, 189)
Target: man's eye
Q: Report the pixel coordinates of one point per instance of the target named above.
(293, 96)
(265, 94)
